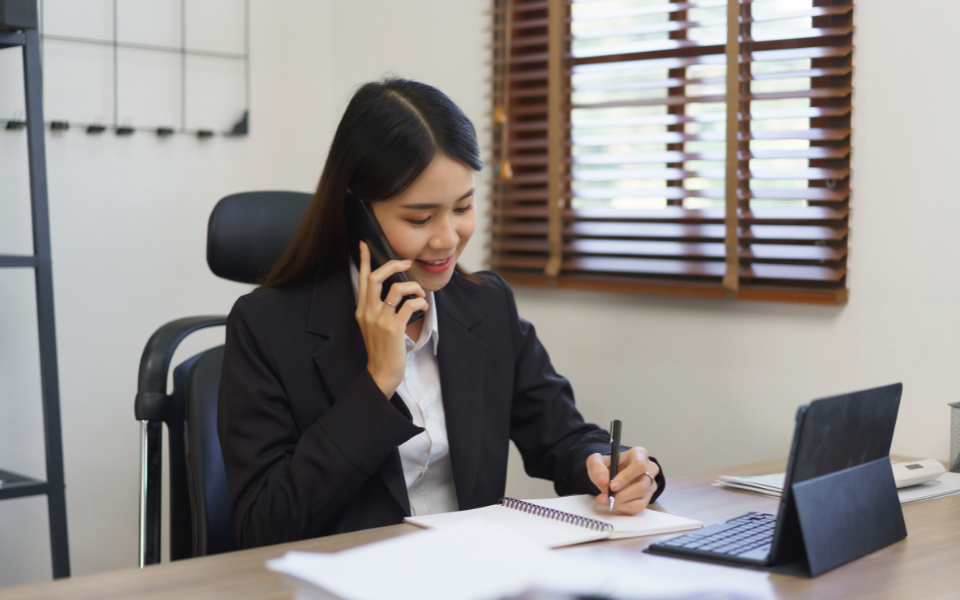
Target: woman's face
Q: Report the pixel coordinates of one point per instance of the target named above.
(431, 222)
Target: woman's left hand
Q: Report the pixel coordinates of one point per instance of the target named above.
(634, 484)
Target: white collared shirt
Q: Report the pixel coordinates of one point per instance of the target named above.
(425, 457)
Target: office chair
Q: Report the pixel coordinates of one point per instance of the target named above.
(246, 234)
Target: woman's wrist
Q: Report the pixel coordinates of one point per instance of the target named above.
(386, 384)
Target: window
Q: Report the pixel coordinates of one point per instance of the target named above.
(667, 148)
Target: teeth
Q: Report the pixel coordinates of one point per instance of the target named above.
(435, 263)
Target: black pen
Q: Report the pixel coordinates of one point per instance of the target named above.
(614, 457)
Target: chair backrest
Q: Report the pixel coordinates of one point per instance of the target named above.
(206, 478)
(246, 234)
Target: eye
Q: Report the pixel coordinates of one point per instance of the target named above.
(417, 222)
(464, 209)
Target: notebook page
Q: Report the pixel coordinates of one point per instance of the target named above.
(543, 531)
(648, 522)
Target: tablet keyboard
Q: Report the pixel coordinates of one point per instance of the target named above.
(749, 534)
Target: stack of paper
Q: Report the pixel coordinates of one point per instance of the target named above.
(641, 575)
(469, 561)
(772, 485)
(768, 485)
(474, 560)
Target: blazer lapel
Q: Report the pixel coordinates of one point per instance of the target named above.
(343, 357)
(461, 355)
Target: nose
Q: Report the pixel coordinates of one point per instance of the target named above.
(444, 236)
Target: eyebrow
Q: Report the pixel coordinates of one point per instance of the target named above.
(428, 206)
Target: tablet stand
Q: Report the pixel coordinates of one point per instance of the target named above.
(848, 514)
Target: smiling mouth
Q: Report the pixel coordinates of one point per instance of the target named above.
(436, 266)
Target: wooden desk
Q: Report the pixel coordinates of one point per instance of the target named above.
(922, 566)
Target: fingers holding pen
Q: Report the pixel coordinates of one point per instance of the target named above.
(634, 498)
(634, 464)
(598, 469)
(634, 484)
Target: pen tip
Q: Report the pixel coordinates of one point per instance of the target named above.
(610, 504)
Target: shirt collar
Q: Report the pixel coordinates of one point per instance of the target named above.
(430, 330)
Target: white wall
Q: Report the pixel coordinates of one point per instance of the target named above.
(701, 383)
(128, 224)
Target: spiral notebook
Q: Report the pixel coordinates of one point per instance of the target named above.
(557, 522)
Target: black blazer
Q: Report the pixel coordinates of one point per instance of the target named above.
(310, 443)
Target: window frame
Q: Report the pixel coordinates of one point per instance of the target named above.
(535, 231)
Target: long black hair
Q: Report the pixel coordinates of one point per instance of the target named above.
(389, 134)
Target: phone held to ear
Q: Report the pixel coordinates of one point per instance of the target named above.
(362, 226)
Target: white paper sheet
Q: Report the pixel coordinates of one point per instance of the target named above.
(477, 561)
(469, 561)
(640, 576)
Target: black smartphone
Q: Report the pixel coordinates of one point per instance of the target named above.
(362, 225)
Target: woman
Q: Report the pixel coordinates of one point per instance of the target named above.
(336, 415)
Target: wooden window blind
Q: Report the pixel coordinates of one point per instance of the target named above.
(687, 148)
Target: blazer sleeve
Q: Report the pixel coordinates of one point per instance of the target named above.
(546, 426)
(280, 479)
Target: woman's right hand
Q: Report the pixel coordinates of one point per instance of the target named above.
(382, 326)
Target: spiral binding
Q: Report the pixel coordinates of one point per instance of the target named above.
(556, 515)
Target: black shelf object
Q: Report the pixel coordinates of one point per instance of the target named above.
(20, 486)
(14, 485)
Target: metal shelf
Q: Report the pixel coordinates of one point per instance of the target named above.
(13, 485)
(10, 39)
(7, 260)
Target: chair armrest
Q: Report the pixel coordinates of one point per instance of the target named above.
(150, 408)
(150, 402)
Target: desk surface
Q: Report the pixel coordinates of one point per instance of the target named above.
(917, 567)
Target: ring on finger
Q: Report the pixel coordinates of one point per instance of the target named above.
(652, 480)
(394, 305)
